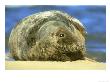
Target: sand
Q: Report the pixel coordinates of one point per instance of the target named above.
(48, 65)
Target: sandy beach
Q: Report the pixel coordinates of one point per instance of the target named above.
(48, 65)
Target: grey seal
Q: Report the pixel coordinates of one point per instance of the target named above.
(48, 36)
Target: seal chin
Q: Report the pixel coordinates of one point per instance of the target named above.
(74, 55)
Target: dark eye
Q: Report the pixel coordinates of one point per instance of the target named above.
(61, 35)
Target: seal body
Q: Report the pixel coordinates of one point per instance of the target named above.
(48, 36)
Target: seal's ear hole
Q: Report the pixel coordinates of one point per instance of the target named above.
(61, 35)
(52, 34)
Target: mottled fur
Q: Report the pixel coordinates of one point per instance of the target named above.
(50, 35)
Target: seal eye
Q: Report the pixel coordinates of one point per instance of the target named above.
(61, 35)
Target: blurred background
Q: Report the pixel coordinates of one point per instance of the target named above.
(93, 18)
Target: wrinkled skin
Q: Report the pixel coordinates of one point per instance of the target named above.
(48, 36)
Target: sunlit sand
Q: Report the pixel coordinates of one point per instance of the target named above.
(49, 65)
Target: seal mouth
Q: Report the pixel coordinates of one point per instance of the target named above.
(74, 55)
